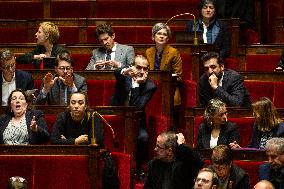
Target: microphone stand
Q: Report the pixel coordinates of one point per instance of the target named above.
(195, 39)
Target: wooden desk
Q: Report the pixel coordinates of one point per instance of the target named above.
(92, 154)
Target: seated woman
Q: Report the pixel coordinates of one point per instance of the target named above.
(215, 129)
(162, 56)
(74, 126)
(214, 31)
(266, 126)
(21, 125)
(47, 37)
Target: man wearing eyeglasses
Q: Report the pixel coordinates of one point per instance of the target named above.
(230, 176)
(175, 165)
(57, 89)
(11, 78)
(206, 179)
(218, 82)
(273, 171)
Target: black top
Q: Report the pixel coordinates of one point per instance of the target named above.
(178, 174)
(29, 57)
(66, 126)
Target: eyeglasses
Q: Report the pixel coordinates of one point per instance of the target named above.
(203, 180)
(141, 68)
(67, 68)
(8, 67)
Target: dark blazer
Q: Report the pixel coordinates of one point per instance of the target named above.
(229, 133)
(232, 91)
(142, 94)
(56, 93)
(40, 137)
(29, 57)
(275, 176)
(256, 135)
(223, 39)
(24, 81)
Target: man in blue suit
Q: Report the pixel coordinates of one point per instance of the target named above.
(273, 171)
(110, 55)
(11, 78)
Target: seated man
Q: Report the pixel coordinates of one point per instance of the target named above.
(175, 165)
(56, 90)
(11, 78)
(110, 55)
(206, 179)
(230, 176)
(134, 88)
(273, 171)
(218, 82)
(263, 184)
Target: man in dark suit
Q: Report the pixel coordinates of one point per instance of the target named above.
(56, 90)
(273, 171)
(110, 55)
(11, 78)
(134, 88)
(218, 82)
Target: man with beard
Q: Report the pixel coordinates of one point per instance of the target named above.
(175, 165)
(110, 55)
(56, 90)
(273, 171)
(218, 82)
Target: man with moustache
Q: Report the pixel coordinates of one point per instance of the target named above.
(273, 171)
(56, 90)
(218, 82)
(175, 165)
(110, 55)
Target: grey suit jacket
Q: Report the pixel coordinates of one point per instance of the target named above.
(57, 92)
(123, 54)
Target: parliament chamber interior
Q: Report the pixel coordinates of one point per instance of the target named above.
(255, 53)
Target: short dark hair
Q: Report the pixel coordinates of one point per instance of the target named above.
(204, 2)
(209, 55)
(221, 155)
(103, 28)
(64, 56)
(5, 55)
(9, 109)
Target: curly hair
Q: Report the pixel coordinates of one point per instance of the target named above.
(104, 28)
(51, 30)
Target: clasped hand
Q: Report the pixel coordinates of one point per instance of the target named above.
(49, 80)
(101, 63)
(136, 74)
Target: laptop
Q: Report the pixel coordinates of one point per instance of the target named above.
(49, 62)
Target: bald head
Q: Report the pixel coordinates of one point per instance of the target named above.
(263, 184)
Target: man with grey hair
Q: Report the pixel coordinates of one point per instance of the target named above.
(11, 78)
(175, 165)
(273, 171)
(110, 55)
(263, 184)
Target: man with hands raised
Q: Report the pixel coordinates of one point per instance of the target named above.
(56, 90)
(218, 82)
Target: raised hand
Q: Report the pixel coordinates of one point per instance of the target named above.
(181, 139)
(67, 80)
(49, 81)
(33, 125)
(213, 81)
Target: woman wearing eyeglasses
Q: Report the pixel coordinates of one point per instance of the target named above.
(47, 46)
(21, 125)
(164, 57)
(57, 89)
(215, 129)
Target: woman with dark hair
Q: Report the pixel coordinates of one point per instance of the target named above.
(47, 46)
(214, 31)
(215, 129)
(21, 125)
(267, 124)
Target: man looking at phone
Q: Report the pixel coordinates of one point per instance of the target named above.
(110, 55)
(134, 88)
(218, 82)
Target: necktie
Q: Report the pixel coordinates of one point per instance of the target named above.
(108, 57)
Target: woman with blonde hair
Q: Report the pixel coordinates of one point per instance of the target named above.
(47, 46)
(266, 126)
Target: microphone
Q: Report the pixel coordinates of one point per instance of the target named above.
(195, 39)
(93, 139)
